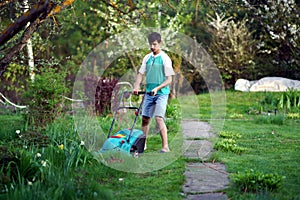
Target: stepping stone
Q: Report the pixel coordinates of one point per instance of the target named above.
(195, 149)
(205, 178)
(195, 129)
(207, 196)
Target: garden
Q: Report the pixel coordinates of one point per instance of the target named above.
(62, 63)
(259, 149)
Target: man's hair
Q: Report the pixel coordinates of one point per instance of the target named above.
(154, 36)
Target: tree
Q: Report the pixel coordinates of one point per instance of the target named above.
(36, 15)
(233, 47)
(277, 26)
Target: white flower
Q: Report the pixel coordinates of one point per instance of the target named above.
(18, 132)
(82, 143)
(43, 163)
(38, 155)
(29, 183)
(121, 179)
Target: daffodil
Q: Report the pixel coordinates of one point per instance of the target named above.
(61, 147)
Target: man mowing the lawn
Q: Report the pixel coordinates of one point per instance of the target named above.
(157, 66)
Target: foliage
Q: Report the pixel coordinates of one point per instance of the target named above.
(17, 168)
(14, 81)
(173, 110)
(276, 26)
(229, 134)
(103, 95)
(67, 170)
(290, 100)
(233, 48)
(253, 181)
(293, 115)
(271, 148)
(228, 143)
(270, 119)
(45, 96)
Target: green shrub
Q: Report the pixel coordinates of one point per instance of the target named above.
(290, 100)
(45, 97)
(228, 145)
(293, 115)
(18, 168)
(229, 134)
(252, 181)
(173, 110)
(61, 186)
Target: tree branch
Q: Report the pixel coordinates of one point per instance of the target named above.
(15, 49)
(22, 21)
(36, 16)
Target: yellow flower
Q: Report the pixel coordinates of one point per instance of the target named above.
(61, 147)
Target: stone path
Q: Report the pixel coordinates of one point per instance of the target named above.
(204, 180)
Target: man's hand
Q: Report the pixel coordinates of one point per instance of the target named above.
(135, 91)
(154, 91)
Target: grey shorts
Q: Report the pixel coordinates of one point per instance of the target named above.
(155, 105)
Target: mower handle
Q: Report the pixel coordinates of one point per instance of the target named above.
(143, 92)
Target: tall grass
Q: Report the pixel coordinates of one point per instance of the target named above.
(60, 165)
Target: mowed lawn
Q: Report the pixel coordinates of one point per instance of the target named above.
(271, 143)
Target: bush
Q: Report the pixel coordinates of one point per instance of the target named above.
(228, 142)
(252, 181)
(45, 97)
(290, 100)
(228, 145)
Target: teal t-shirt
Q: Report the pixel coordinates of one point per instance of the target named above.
(155, 74)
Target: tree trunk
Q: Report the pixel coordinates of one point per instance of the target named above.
(29, 46)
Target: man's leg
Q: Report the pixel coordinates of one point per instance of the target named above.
(163, 133)
(145, 127)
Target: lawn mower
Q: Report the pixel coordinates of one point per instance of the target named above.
(130, 140)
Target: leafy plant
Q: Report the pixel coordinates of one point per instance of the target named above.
(228, 142)
(228, 145)
(229, 134)
(293, 115)
(45, 96)
(233, 47)
(173, 110)
(253, 181)
(103, 96)
(270, 101)
(290, 100)
(17, 168)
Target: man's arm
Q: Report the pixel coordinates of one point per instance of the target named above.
(137, 83)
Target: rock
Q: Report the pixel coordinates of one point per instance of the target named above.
(275, 84)
(205, 178)
(242, 85)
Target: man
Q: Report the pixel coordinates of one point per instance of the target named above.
(157, 66)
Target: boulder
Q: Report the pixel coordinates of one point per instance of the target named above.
(242, 85)
(275, 84)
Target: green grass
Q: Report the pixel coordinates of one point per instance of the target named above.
(57, 166)
(272, 142)
(267, 152)
(272, 145)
